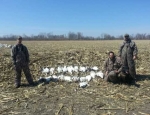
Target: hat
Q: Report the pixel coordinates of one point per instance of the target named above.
(126, 35)
(19, 37)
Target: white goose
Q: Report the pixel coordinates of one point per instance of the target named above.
(83, 84)
(45, 70)
(52, 70)
(75, 79)
(92, 74)
(95, 68)
(70, 69)
(88, 78)
(76, 68)
(55, 78)
(61, 77)
(82, 69)
(48, 78)
(59, 69)
(82, 79)
(67, 78)
(64, 69)
(100, 74)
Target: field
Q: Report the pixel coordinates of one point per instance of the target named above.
(63, 98)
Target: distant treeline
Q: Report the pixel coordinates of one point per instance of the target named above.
(74, 36)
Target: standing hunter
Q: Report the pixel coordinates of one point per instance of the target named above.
(128, 53)
(20, 57)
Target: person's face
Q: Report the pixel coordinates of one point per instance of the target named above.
(19, 41)
(126, 38)
(111, 55)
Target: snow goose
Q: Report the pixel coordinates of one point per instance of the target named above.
(67, 78)
(100, 74)
(95, 68)
(92, 74)
(64, 69)
(88, 78)
(82, 79)
(52, 70)
(76, 68)
(61, 77)
(83, 84)
(70, 69)
(75, 78)
(82, 69)
(59, 69)
(55, 78)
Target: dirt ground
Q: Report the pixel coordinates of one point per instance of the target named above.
(63, 98)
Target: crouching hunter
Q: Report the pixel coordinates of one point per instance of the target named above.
(113, 69)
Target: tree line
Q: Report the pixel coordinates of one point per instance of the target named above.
(74, 36)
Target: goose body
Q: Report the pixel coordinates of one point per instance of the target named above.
(75, 78)
(45, 70)
(64, 69)
(82, 79)
(59, 69)
(83, 84)
(88, 78)
(52, 70)
(95, 68)
(100, 74)
(92, 74)
(67, 78)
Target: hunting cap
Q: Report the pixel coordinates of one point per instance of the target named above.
(126, 35)
(19, 38)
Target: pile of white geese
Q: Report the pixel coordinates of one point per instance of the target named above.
(80, 74)
(5, 45)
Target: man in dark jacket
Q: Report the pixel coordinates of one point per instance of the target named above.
(128, 53)
(20, 57)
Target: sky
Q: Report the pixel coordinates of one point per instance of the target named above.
(90, 17)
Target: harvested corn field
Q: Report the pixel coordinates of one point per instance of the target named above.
(67, 98)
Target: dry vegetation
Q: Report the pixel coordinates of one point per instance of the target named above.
(62, 98)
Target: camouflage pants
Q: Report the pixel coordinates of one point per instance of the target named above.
(18, 69)
(111, 77)
(130, 64)
(116, 78)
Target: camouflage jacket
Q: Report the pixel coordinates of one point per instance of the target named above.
(20, 53)
(114, 64)
(128, 47)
